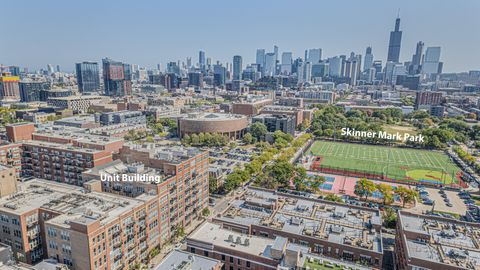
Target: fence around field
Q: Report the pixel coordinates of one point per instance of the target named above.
(317, 166)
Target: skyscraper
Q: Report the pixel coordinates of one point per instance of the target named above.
(415, 66)
(88, 77)
(395, 43)
(431, 64)
(237, 67)
(260, 58)
(201, 60)
(314, 56)
(219, 74)
(335, 66)
(286, 67)
(117, 78)
(275, 51)
(368, 59)
(270, 64)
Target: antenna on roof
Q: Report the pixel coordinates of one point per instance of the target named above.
(398, 13)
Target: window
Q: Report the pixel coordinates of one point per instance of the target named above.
(248, 264)
(223, 257)
(231, 259)
(239, 262)
(205, 253)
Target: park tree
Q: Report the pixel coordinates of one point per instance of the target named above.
(248, 138)
(258, 130)
(364, 188)
(407, 195)
(332, 197)
(387, 192)
(389, 217)
(186, 139)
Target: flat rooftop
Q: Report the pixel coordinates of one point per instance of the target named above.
(449, 242)
(178, 260)
(75, 134)
(214, 234)
(75, 203)
(60, 146)
(332, 222)
(173, 154)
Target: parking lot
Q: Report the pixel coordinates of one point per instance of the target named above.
(448, 201)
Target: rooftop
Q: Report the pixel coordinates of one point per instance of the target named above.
(75, 203)
(452, 243)
(182, 260)
(173, 154)
(332, 222)
(218, 236)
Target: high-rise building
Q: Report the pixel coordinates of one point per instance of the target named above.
(314, 56)
(320, 70)
(275, 51)
(304, 72)
(415, 65)
(286, 67)
(201, 60)
(9, 89)
(117, 78)
(219, 74)
(195, 79)
(335, 66)
(395, 43)
(14, 70)
(50, 69)
(88, 77)
(237, 67)
(32, 90)
(431, 63)
(270, 64)
(352, 68)
(368, 62)
(428, 98)
(260, 58)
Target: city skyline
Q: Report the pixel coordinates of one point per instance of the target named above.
(144, 38)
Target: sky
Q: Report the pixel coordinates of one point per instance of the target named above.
(148, 32)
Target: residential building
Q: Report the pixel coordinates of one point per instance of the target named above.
(88, 77)
(328, 229)
(117, 78)
(284, 123)
(79, 228)
(179, 259)
(120, 117)
(428, 242)
(9, 89)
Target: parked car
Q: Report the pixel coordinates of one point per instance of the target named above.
(428, 202)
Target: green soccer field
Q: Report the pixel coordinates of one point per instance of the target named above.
(400, 163)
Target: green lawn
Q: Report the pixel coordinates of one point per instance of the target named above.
(325, 265)
(400, 163)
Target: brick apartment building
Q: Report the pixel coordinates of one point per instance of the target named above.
(182, 191)
(428, 242)
(82, 229)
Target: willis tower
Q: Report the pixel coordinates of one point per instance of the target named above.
(394, 44)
